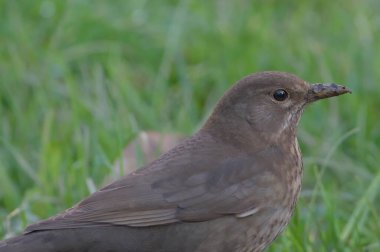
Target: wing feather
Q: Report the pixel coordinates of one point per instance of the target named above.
(174, 188)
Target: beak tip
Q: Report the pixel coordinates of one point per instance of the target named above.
(340, 89)
(344, 89)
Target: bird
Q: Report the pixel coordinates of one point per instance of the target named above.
(231, 186)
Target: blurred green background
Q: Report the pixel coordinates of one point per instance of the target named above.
(79, 79)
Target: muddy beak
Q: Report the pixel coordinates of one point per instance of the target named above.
(325, 90)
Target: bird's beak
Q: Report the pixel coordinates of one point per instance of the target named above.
(325, 90)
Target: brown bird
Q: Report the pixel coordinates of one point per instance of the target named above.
(232, 186)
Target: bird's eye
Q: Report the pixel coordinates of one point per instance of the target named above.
(280, 95)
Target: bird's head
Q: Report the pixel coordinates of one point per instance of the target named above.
(267, 104)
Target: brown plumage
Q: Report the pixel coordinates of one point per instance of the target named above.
(232, 186)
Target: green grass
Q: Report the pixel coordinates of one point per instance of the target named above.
(79, 79)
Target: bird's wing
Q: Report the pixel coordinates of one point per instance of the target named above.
(186, 184)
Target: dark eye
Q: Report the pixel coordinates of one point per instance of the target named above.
(280, 95)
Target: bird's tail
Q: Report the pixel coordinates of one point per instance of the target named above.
(35, 242)
(22, 243)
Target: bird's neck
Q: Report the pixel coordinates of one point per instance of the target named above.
(239, 133)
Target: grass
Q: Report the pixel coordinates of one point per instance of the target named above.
(79, 79)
